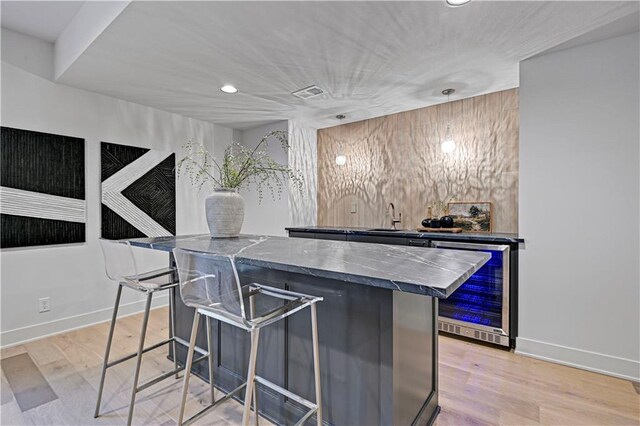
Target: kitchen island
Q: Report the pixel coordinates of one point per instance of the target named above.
(486, 307)
(377, 324)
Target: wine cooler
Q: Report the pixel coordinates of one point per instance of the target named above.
(479, 308)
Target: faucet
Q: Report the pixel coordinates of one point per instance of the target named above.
(393, 216)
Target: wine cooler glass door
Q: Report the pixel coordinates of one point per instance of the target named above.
(482, 302)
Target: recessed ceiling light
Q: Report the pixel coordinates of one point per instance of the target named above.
(456, 3)
(227, 88)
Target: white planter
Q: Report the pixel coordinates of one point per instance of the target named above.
(225, 213)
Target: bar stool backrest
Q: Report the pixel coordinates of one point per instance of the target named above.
(210, 281)
(118, 260)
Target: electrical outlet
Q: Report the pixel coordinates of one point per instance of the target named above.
(44, 304)
(354, 207)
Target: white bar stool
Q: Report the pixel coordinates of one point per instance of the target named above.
(210, 284)
(121, 267)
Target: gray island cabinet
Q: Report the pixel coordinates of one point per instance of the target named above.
(377, 324)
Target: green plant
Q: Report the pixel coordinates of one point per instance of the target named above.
(240, 167)
(440, 207)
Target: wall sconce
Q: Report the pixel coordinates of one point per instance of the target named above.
(341, 160)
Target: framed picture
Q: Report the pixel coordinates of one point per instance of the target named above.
(138, 187)
(471, 216)
(42, 196)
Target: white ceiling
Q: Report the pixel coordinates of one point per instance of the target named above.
(623, 26)
(41, 19)
(372, 58)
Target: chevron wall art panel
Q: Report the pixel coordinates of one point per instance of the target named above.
(42, 189)
(138, 192)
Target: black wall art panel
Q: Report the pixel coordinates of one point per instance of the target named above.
(138, 192)
(42, 194)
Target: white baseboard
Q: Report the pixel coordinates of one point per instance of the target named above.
(33, 332)
(623, 368)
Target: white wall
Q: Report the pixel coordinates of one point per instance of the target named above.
(270, 216)
(29, 53)
(303, 156)
(73, 275)
(294, 207)
(579, 207)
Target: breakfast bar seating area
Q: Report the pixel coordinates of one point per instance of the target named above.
(377, 325)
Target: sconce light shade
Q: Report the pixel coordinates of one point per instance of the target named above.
(457, 3)
(448, 145)
(341, 160)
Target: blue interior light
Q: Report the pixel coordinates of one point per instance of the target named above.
(479, 299)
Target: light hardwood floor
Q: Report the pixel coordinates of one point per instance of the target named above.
(478, 385)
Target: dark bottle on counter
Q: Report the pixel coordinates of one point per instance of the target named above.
(427, 222)
(435, 223)
(446, 222)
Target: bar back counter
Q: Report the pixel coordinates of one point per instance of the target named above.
(377, 324)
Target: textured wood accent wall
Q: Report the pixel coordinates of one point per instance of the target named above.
(397, 158)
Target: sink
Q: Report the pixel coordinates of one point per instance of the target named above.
(386, 230)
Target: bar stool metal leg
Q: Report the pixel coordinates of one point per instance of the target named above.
(187, 368)
(136, 374)
(256, 421)
(316, 362)
(252, 311)
(108, 350)
(210, 359)
(251, 376)
(172, 328)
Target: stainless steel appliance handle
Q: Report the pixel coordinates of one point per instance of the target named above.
(470, 246)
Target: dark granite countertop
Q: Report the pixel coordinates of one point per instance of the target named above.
(426, 271)
(408, 233)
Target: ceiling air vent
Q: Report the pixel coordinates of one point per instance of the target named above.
(308, 92)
